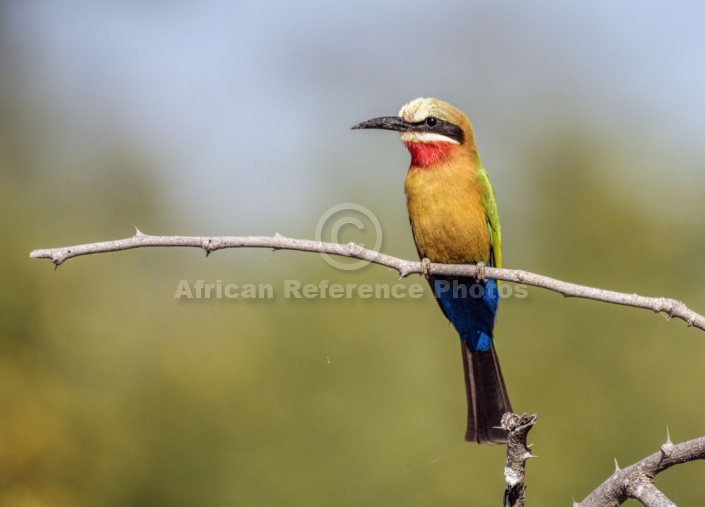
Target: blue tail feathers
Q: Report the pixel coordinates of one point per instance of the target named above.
(470, 305)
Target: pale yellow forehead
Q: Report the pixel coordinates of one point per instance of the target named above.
(417, 110)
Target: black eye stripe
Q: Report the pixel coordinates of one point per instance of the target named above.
(441, 127)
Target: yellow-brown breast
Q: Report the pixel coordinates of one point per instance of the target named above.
(446, 212)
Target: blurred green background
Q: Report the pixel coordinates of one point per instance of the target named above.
(232, 118)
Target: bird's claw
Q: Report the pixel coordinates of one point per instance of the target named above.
(426, 267)
(480, 271)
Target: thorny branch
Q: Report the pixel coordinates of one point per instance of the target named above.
(518, 453)
(637, 480)
(671, 307)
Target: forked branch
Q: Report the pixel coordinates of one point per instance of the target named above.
(637, 480)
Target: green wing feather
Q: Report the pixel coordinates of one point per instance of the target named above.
(490, 206)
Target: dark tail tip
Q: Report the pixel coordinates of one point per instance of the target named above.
(487, 396)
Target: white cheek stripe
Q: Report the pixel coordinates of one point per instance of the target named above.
(426, 137)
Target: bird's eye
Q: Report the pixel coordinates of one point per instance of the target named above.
(431, 122)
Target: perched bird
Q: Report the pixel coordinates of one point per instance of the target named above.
(454, 220)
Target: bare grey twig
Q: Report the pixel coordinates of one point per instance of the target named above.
(518, 453)
(637, 480)
(671, 307)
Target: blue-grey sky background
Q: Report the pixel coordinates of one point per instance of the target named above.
(244, 108)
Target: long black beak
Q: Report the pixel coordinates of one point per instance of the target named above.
(386, 123)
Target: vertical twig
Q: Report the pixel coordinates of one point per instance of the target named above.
(518, 452)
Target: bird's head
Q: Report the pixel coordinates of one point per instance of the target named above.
(430, 128)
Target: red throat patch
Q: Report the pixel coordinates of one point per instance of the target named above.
(425, 154)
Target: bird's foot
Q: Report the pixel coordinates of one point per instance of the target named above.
(426, 267)
(480, 271)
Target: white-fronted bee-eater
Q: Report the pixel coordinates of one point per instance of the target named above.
(454, 220)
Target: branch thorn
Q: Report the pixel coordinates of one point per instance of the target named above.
(667, 448)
